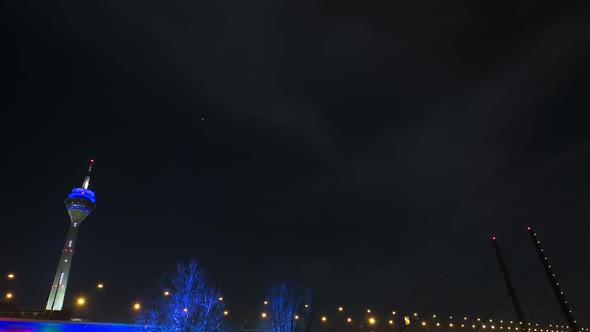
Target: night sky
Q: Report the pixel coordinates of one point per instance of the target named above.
(369, 148)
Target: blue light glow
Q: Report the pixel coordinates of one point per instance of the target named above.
(82, 193)
(22, 325)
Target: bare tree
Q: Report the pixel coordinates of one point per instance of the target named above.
(288, 308)
(192, 304)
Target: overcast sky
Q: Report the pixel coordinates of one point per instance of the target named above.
(369, 148)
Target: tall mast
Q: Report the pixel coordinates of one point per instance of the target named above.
(86, 182)
(565, 308)
(510, 286)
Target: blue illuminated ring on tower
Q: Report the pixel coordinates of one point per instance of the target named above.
(82, 193)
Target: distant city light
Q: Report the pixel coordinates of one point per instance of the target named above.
(99, 286)
(349, 319)
(296, 317)
(166, 293)
(393, 312)
(263, 315)
(10, 276)
(391, 322)
(225, 313)
(81, 301)
(324, 318)
(368, 311)
(185, 310)
(136, 306)
(372, 321)
(220, 299)
(266, 302)
(8, 295)
(340, 308)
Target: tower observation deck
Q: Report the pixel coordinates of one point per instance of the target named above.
(80, 203)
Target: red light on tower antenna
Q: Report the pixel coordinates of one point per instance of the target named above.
(528, 228)
(494, 238)
(91, 160)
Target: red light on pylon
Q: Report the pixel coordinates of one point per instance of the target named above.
(494, 238)
(528, 228)
(91, 160)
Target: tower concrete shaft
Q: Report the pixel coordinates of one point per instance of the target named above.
(80, 203)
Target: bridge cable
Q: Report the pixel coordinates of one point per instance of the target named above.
(446, 298)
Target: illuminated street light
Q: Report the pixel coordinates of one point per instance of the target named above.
(393, 312)
(185, 310)
(390, 322)
(166, 293)
(225, 313)
(220, 299)
(372, 321)
(296, 317)
(340, 308)
(263, 315)
(8, 295)
(423, 323)
(349, 319)
(368, 311)
(307, 306)
(81, 301)
(10, 276)
(99, 286)
(266, 302)
(324, 319)
(136, 306)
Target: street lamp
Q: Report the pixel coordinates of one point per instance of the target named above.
(340, 308)
(8, 296)
(10, 276)
(349, 320)
(100, 286)
(372, 321)
(263, 315)
(166, 293)
(80, 301)
(324, 319)
(136, 306)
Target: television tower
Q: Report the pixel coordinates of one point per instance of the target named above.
(80, 203)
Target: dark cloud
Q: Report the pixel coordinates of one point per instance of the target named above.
(370, 149)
